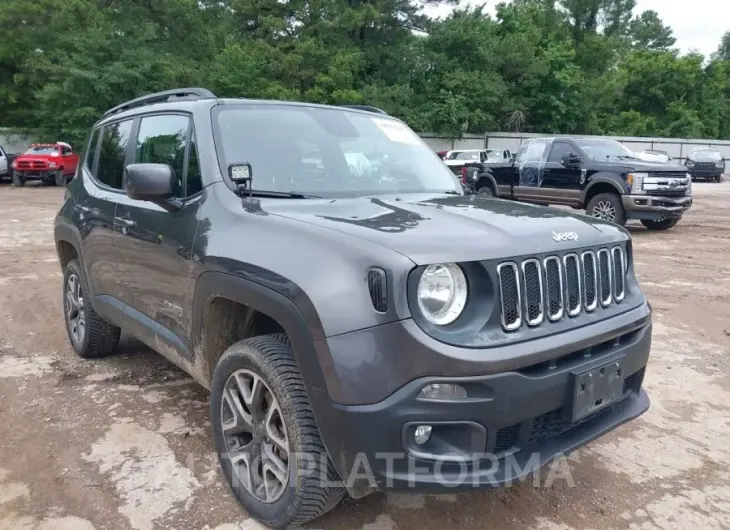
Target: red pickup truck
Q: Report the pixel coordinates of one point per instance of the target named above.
(51, 163)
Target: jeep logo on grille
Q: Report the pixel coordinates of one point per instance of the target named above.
(565, 236)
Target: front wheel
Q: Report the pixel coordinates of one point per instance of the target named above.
(608, 207)
(60, 179)
(718, 178)
(662, 224)
(18, 180)
(267, 441)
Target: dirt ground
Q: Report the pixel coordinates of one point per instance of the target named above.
(125, 442)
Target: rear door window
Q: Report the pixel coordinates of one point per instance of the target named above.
(112, 153)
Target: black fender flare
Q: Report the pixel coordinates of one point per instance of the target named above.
(68, 234)
(301, 324)
(486, 176)
(613, 179)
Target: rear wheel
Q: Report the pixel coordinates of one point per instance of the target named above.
(662, 224)
(486, 191)
(607, 206)
(268, 444)
(91, 336)
(18, 180)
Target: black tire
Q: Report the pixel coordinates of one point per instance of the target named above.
(486, 191)
(718, 178)
(18, 180)
(60, 179)
(603, 204)
(663, 224)
(304, 498)
(99, 337)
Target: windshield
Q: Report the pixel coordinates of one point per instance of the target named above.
(42, 150)
(600, 150)
(464, 155)
(706, 153)
(328, 152)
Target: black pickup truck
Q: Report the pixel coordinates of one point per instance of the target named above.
(600, 176)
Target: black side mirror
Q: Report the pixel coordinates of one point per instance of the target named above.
(149, 182)
(570, 160)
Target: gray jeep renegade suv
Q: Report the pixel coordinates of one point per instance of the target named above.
(362, 325)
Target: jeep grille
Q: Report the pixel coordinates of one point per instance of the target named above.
(560, 286)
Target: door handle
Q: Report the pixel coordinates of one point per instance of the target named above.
(121, 221)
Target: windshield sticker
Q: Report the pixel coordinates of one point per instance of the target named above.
(397, 132)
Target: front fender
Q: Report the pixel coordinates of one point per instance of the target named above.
(301, 324)
(612, 179)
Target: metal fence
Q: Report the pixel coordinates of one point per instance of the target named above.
(677, 148)
(13, 143)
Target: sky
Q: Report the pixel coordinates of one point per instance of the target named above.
(698, 25)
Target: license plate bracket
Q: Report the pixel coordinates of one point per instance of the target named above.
(597, 388)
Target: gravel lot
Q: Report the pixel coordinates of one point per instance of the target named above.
(124, 442)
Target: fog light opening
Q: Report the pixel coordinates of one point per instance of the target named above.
(423, 434)
(442, 392)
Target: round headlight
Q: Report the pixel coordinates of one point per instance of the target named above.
(442, 293)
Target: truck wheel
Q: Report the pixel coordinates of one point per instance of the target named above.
(485, 191)
(91, 336)
(60, 179)
(607, 206)
(718, 178)
(662, 224)
(18, 180)
(262, 423)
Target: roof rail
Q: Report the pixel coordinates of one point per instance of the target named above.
(366, 108)
(161, 97)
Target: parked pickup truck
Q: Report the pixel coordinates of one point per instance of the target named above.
(601, 176)
(6, 159)
(458, 160)
(51, 163)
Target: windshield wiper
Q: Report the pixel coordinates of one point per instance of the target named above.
(451, 192)
(276, 194)
(624, 157)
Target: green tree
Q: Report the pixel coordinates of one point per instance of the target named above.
(649, 32)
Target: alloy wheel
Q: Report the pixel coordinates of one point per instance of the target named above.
(75, 312)
(604, 210)
(255, 436)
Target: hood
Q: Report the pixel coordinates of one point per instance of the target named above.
(37, 158)
(445, 228)
(702, 159)
(644, 166)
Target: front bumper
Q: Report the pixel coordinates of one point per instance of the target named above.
(706, 173)
(512, 423)
(37, 174)
(655, 207)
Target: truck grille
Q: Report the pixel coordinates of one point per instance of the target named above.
(679, 192)
(531, 290)
(27, 164)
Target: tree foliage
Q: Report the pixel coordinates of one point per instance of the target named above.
(554, 66)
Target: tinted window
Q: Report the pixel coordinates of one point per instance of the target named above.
(559, 149)
(162, 140)
(66, 150)
(194, 183)
(114, 142)
(91, 150)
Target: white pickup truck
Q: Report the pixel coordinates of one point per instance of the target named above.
(6, 160)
